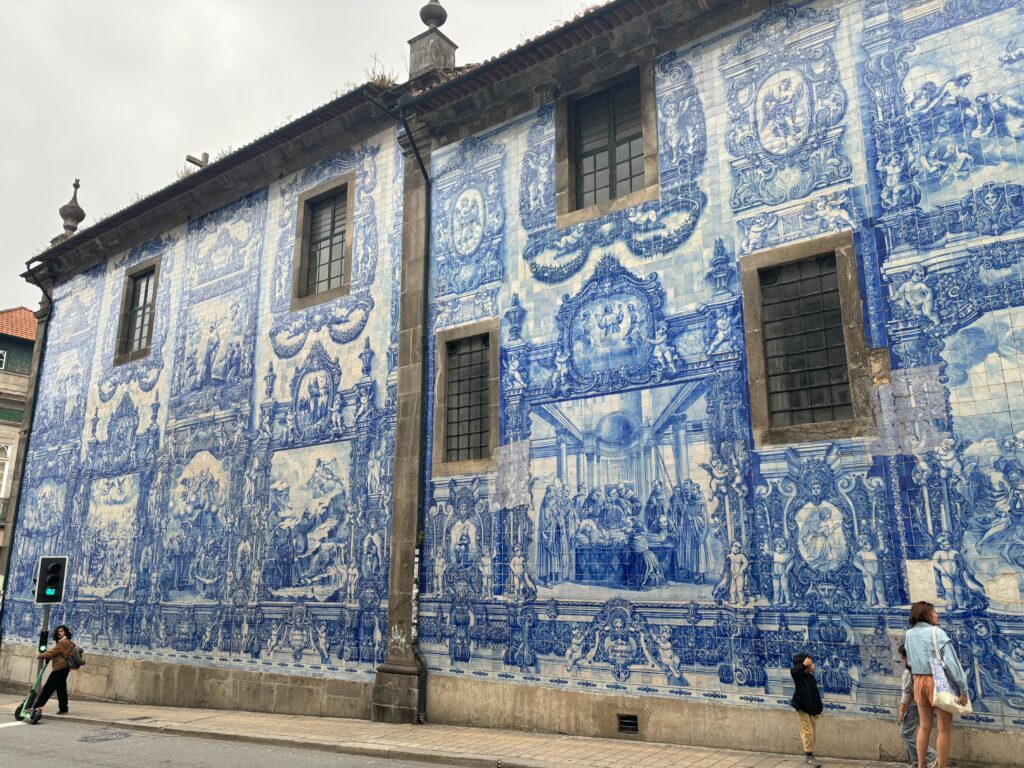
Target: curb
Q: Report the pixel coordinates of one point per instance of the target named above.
(356, 748)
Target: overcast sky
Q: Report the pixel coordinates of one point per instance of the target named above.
(117, 92)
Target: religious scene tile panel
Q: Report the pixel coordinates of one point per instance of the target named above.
(226, 500)
(628, 535)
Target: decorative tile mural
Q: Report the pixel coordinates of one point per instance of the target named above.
(226, 501)
(629, 536)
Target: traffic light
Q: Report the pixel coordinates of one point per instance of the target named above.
(43, 637)
(50, 579)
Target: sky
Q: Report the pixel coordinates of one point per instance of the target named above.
(117, 92)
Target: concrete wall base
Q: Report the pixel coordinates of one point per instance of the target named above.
(396, 694)
(181, 685)
(461, 701)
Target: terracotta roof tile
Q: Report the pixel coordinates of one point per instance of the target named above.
(18, 321)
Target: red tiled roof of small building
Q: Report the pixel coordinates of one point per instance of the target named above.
(18, 321)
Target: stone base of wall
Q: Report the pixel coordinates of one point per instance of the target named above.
(462, 701)
(181, 685)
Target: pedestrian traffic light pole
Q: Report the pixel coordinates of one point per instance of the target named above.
(44, 636)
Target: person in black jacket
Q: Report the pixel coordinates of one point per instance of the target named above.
(806, 702)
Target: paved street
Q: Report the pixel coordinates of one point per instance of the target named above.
(78, 744)
(322, 741)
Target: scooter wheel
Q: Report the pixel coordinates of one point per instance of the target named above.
(17, 713)
(35, 717)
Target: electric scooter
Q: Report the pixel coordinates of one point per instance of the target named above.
(24, 712)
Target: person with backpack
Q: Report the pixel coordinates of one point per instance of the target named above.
(59, 670)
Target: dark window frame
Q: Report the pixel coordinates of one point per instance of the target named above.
(121, 353)
(301, 299)
(3, 359)
(568, 214)
(858, 357)
(441, 465)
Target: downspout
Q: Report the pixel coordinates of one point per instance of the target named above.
(27, 422)
(401, 117)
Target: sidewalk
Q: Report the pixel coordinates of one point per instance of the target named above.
(428, 743)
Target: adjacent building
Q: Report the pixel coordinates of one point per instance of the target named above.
(575, 390)
(17, 338)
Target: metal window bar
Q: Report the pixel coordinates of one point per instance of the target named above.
(325, 255)
(139, 328)
(805, 352)
(467, 419)
(609, 144)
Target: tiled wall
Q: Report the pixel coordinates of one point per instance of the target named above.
(629, 537)
(225, 501)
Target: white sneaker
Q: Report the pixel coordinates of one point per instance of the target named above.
(812, 761)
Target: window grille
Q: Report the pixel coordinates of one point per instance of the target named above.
(467, 420)
(805, 351)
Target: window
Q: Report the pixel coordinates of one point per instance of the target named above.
(3, 359)
(809, 369)
(805, 354)
(467, 431)
(606, 149)
(323, 243)
(467, 398)
(138, 307)
(5, 460)
(608, 144)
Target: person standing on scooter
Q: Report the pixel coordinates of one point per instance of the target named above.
(59, 669)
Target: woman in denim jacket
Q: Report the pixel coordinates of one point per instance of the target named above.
(922, 637)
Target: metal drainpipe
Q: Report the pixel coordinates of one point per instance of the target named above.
(402, 118)
(25, 446)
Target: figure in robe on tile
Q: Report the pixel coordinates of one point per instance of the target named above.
(820, 523)
(233, 363)
(615, 511)
(463, 552)
(635, 336)
(657, 505)
(610, 320)
(1005, 532)
(371, 558)
(210, 355)
(690, 509)
(553, 552)
(644, 570)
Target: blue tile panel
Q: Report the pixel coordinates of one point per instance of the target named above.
(226, 501)
(628, 536)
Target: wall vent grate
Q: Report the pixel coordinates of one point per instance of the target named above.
(629, 724)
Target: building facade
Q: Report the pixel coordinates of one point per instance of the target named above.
(672, 342)
(17, 337)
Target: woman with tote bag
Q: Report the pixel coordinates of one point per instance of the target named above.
(940, 684)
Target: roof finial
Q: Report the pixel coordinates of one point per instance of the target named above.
(72, 214)
(433, 14)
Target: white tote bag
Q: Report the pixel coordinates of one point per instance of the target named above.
(944, 697)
